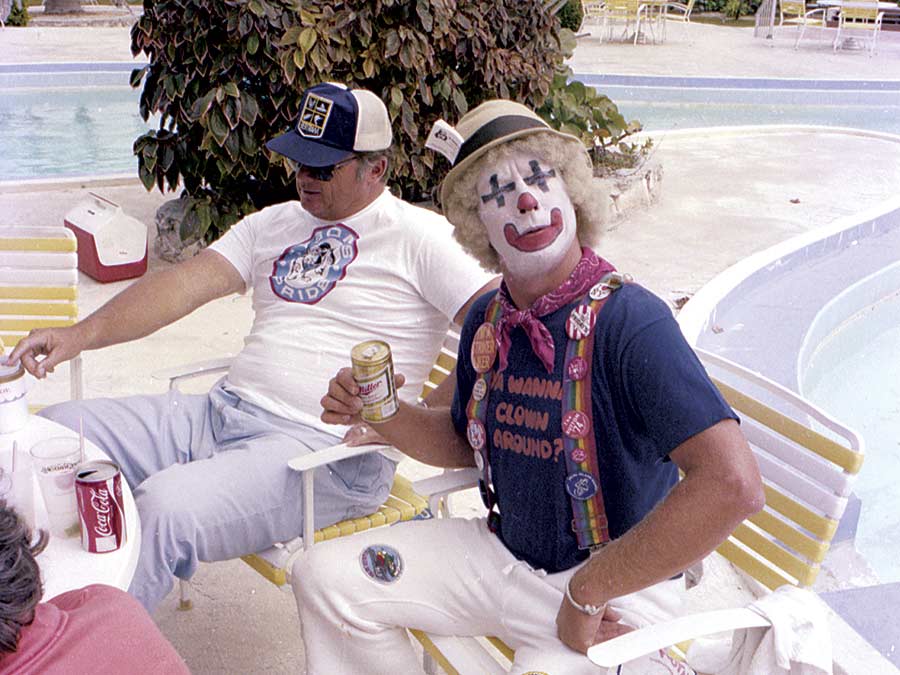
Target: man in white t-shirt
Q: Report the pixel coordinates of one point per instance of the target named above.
(346, 263)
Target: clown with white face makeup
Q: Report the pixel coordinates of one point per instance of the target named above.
(578, 400)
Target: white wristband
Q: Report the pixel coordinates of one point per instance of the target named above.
(590, 610)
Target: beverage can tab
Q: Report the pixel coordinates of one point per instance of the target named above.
(476, 434)
(480, 389)
(575, 424)
(484, 348)
(577, 368)
(581, 485)
(599, 291)
(580, 323)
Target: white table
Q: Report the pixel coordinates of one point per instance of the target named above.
(64, 564)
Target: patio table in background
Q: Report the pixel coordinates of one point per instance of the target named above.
(64, 564)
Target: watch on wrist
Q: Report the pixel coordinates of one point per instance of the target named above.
(590, 610)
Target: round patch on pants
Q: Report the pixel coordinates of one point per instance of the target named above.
(381, 563)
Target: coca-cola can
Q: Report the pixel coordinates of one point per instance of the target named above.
(98, 486)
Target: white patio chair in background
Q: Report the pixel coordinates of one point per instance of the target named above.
(859, 19)
(794, 13)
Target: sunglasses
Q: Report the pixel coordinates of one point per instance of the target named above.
(322, 173)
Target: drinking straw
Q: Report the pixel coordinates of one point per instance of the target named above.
(15, 450)
(81, 437)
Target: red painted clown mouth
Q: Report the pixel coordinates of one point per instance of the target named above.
(536, 238)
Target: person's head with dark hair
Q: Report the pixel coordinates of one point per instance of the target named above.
(20, 579)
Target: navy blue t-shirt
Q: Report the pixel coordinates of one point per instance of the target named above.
(649, 394)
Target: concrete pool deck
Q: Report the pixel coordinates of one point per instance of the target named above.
(722, 197)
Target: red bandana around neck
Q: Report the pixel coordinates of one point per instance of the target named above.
(588, 271)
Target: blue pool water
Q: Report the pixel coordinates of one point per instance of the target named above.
(82, 118)
(67, 122)
(687, 102)
(854, 374)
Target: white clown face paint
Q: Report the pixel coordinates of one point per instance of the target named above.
(530, 220)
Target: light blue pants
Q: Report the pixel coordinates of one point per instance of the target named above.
(210, 477)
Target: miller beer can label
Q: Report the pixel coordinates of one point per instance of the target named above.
(373, 371)
(101, 508)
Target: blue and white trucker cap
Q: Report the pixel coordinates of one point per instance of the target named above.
(335, 122)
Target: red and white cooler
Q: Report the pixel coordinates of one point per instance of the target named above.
(111, 245)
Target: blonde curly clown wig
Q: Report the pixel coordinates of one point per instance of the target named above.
(565, 154)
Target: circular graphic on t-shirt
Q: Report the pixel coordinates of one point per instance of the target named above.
(309, 271)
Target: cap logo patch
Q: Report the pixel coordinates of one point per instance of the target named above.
(314, 116)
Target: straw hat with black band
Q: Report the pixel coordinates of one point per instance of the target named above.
(492, 123)
(498, 122)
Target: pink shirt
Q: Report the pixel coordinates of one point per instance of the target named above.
(97, 629)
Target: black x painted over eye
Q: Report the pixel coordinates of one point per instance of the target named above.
(538, 175)
(497, 192)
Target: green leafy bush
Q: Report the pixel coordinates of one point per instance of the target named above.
(226, 77)
(570, 15)
(18, 16)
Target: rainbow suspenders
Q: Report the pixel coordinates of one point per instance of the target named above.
(579, 440)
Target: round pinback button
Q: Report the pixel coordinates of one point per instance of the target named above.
(575, 424)
(581, 485)
(476, 434)
(599, 291)
(479, 460)
(577, 368)
(578, 455)
(479, 389)
(484, 348)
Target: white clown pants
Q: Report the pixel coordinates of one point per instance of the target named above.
(446, 576)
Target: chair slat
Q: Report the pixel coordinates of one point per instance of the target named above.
(812, 464)
(41, 277)
(28, 324)
(778, 556)
(798, 485)
(39, 292)
(38, 259)
(37, 244)
(753, 565)
(809, 547)
(820, 526)
(39, 308)
(831, 450)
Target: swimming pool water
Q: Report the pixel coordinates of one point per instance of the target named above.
(855, 376)
(688, 102)
(82, 118)
(67, 131)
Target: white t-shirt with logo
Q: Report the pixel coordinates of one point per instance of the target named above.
(392, 272)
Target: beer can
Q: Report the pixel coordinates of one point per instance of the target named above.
(101, 508)
(373, 370)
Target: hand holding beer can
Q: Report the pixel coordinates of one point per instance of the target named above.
(373, 370)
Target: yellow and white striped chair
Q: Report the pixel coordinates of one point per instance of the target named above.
(808, 462)
(39, 285)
